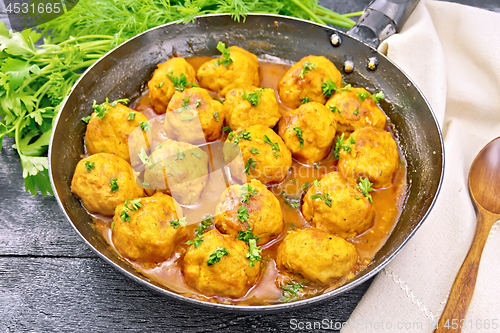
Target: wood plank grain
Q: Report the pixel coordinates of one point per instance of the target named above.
(87, 295)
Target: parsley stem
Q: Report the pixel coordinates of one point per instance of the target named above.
(337, 22)
(74, 39)
(353, 14)
(324, 12)
(308, 11)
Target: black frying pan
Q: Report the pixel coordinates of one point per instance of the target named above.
(124, 70)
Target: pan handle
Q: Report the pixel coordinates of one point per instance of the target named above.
(381, 19)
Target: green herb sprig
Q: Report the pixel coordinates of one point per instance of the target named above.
(290, 291)
(217, 256)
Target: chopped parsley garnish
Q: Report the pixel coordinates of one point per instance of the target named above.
(102, 109)
(250, 165)
(145, 184)
(131, 116)
(324, 197)
(334, 109)
(351, 139)
(253, 98)
(378, 96)
(226, 129)
(114, 184)
(217, 256)
(305, 186)
(290, 291)
(363, 95)
(198, 103)
(145, 126)
(179, 154)
(305, 100)
(200, 229)
(145, 159)
(307, 67)
(243, 214)
(86, 119)
(185, 102)
(199, 155)
(254, 251)
(328, 87)
(365, 187)
(134, 204)
(216, 116)
(225, 58)
(89, 166)
(124, 216)
(187, 118)
(254, 150)
(246, 191)
(159, 85)
(341, 144)
(298, 133)
(316, 182)
(356, 111)
(180, 82)
(243, 135)
(291, 200)
(274, 145)
(180, 222)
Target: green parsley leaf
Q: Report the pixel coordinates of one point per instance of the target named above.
(195, 241)
(250, 165)
(243, 214)
(86, 119)
(254, 251)
(246, 191)
(100, 109)
(254, 150)
(253, 98)
(89, 166)
(334, 109)
(180, 222)
(114, 184)
(274, 145)
(328, 87)
(246, 236)
(131, 116)
(185, 102)
(124, 216)
(225, 58)
(145, 126)
(351, 139)
(363, 95)
(134, 204)
(198, 103)
(298, 133)
(378, 96)
(324, 197)
(356, 111)
(198, 155)
(291, 200)
(145, 184)
(316, 182)
(290, 291)
(305, 186)
(179, 154)
(159, 85)
(341, 144)
(216, 116)
(145, 159)
(180, 82)
(305, 100)
(307, 67)
(226, 129)
(217, 256)
(365, 187)
(242, 135)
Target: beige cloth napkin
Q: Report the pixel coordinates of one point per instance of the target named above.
(452, 52)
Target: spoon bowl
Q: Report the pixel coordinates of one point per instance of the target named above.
(484, 189)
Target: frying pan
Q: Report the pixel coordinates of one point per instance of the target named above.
(123, 71)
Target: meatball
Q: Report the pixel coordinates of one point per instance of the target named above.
(179, 169)
(146, 229)
(253, 106)
(221, 75)
(308, 132)
(261, 211)
(335, 205)
(304, 80)
(170, 76)
(315, 256)
(353, 109)
(193, 116)
(103, 181)
(374, 155)
(264, 155)
(232, 276)
(110, 133)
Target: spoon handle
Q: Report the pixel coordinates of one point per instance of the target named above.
(453, 316)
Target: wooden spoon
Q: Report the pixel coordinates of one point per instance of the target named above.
(484, 188)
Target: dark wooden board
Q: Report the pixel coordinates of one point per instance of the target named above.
(50, 280)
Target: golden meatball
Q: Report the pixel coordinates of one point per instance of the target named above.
(103, 181)
(193, 116)
(252, 106)
(148, 229)
(173, 75)
(316, 256)
(305, 79)
(249, 206)
(374, 155)
(308, 132)
(110, 134)
(337, 206)
(220, 75)
(354, 108)
(264, 154)
(179, 169)
(232, 276)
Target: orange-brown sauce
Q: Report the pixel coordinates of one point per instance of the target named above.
(388, 203)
